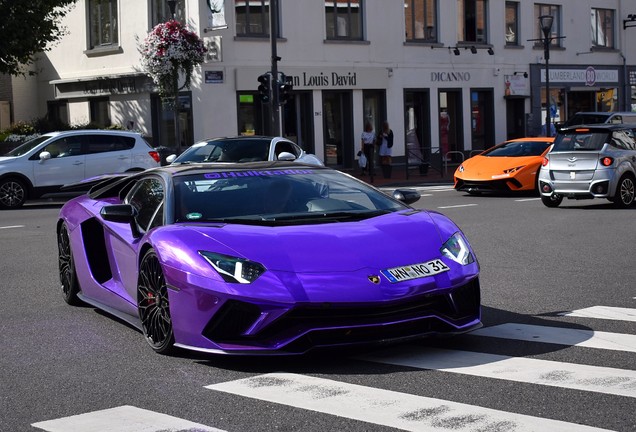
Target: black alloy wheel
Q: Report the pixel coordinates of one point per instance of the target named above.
(68, 276)
(625, 192)
(153, 305)
(13, 194)
(551, 201)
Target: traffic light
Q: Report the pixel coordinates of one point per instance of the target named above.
(285, 86)
(265, 87)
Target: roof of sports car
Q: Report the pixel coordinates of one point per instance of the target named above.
(109, 186)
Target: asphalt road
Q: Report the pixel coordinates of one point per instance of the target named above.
(532, 366)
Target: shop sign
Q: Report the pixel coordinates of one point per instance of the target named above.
(589, 76)
(319, 78)
(516, 85)
(101, 86)
(214, 77)
(450, 76)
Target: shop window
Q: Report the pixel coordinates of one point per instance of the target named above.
(472, 25)
(602, 21)
(252, 18)
(344, 19)
(420, 18)
(102, 17)
(100, 112)
(512, 23)
(160, 12)
(546, 9)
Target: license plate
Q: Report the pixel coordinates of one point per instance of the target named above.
(415, 271)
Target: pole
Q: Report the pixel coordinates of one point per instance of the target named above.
(273, 35)
(548, 131)
(172, 4)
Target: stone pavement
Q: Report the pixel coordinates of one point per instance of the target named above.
(399, 177)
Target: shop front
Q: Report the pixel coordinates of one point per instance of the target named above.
(574, 89)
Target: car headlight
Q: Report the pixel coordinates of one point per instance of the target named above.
(456, 248)
(233, 269)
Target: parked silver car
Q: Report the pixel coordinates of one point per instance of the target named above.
(591, 161)
(241, 149)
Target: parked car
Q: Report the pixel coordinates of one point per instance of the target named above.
(243, 149)
(599, 117)
(507, 167)
(265, 258)
(596, 161)
(41, 166)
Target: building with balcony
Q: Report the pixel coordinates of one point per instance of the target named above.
(450, 76)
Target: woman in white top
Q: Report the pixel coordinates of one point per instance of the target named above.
(367, 141)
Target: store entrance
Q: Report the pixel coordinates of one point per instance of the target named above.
(338, 133)
(296, 117)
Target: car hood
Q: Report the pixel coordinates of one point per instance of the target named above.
(381, 242)
(485, 167)
(325, 262)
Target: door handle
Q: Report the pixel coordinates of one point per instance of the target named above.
(77, 163)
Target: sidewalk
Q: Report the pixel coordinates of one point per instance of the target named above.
(399, 177)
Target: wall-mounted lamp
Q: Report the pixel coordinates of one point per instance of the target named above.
(630, 21)
(473, 49)
(525, 74)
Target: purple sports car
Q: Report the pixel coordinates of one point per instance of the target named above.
(265, 258)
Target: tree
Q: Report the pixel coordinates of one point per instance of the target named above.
(27, 28)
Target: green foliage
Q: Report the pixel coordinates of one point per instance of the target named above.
(29, 27)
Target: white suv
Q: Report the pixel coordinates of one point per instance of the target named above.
(41, 166)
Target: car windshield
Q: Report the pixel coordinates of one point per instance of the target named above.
(277, 197)
(27, 146)
(247, 150)
(518, 148)
(583, 140)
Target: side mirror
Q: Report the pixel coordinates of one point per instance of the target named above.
(171, 158)
(45, 156)
(407, 196)
(286, 156)
(121, 213)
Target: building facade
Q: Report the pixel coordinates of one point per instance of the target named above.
(451, 76)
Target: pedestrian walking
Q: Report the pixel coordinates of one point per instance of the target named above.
(367, 142)
(385, 140)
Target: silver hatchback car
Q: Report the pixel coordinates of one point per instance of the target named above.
(591, 161)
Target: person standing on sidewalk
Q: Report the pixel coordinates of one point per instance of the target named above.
(367, 141)
(385, 139)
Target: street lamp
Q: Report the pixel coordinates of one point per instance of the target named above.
(545, 21)
(172, 4)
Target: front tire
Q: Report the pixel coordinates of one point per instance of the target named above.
(68, 276)
(153, 305)
(625, 192)
(13, 193)
(551, 201)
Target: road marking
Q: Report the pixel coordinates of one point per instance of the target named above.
(385, 407)
(612, 381)
(122, 419)
(527, 199)
(457, 206)
(561, 336)
(12, 226)
(604, 312)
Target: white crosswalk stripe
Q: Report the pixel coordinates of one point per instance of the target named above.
(561, 336)
(122, 419)
(604, 312)
(384, 407)
(527, 370)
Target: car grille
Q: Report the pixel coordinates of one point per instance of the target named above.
(488, 186)
(333, 324)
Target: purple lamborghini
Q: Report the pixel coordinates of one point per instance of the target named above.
(265, 258)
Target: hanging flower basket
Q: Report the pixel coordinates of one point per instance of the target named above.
(168, 50)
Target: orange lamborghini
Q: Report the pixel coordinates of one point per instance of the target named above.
(510, 166)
